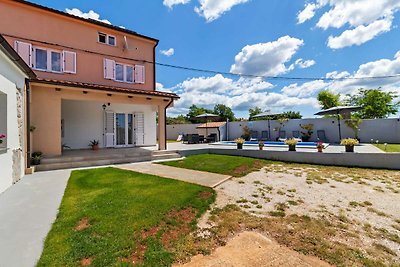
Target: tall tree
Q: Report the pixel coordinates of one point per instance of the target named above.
(376, 103)
(291, 115)
(328, 99)
(196, 111)
(253, 112)
(224, 112)
(180, 119)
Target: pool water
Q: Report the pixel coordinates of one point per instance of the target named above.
(272, 144)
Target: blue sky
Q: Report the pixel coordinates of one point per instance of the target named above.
(285, 38)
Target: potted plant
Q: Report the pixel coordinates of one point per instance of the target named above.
(64, 146)
(94, 144)
(36, 157)
(261, 145)
(291, 143)
(349, 144)
(239, 143)
(320, 147)
(2, 136)
(308, 131)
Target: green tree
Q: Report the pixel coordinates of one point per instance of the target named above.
(328, 99)
(253, 112)
(224, 112)
(291, 115)
(196, 111)
(180, 119)
(376, 103)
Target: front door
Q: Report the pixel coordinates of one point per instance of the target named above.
(124, 129)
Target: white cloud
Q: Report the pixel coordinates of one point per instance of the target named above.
(171, 3)
(304, 64)
(168, 52)
(304, 90)
(364, 19)
(360, 35)
(240, 94)
(89, 15)
(307, 13)
(379, 68)
(267, 59)
(213, 9)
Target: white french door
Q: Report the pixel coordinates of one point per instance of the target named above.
(124, 132)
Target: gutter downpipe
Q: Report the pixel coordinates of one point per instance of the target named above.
(28, 123)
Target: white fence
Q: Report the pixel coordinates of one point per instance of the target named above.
(383, 130)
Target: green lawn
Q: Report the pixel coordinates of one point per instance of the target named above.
(229, 165)
(389, 148)
(113, 217)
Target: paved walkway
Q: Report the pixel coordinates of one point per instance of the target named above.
(190, 176)
(27, 211)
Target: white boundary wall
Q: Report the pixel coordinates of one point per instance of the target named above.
(384, 130)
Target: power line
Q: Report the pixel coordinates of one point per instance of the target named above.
(213, 71)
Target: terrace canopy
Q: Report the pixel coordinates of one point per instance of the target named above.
(206, 117)
(268, 115)
(340, 110)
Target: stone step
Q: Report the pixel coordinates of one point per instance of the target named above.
(90, 163)
(166, 156)
(53, 160)
(165, 152)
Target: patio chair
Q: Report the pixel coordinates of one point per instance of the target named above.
(201, 138)
(265, 136)
(254, 136)
(180, 137)
(211, 138)
(282, 136)
(321, 136)
(193, 139)
(185, 138)
(296, 135)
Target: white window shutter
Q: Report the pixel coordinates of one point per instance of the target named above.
(140, 76)
(69, 65)
(139, 129)
(109, 69)
(25, 51)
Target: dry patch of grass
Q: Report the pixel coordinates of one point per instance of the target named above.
(318, 237)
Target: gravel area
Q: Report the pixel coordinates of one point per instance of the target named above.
(368, 201)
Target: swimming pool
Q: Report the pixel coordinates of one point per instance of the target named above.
(272, 144)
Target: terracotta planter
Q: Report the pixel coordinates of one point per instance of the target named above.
(95, 147)
(349, 149)
(35, 161)
(239, 146)
(320, 149)
(292, 148)
(261, 147)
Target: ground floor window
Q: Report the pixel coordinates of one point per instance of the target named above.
(3, 120)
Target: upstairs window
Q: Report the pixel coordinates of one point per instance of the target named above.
(107, 39)
(45, 59)
(123, 73)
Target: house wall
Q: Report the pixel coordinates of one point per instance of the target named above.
(12, 153)
(26, 22)
(384, 130)
(84, 121)
(46, 110)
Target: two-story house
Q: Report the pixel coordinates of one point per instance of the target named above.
(94, 81)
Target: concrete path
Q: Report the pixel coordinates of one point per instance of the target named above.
(190, 176)
(253, 249)
(27, 211)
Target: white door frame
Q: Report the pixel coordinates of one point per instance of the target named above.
(126, 114)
